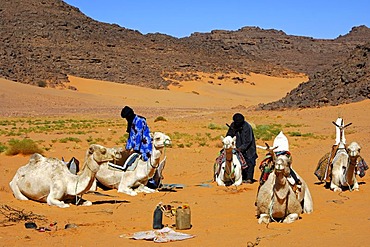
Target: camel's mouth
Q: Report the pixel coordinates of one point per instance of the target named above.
(166, 142)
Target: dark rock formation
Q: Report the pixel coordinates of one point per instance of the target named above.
(41, 42)
(345, 82)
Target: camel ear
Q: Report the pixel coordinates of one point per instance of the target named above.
(151, 135)
(234, 138)
(36, 157)
(91, 149)
(103, 150)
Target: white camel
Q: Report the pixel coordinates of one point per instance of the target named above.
(49, 180)
(276, 199)
(229, 172)
(343, 172)
(134, 181)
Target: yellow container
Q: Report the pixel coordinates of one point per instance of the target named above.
(183, 218)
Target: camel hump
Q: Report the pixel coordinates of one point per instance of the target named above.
(281, 142)
(35, 158)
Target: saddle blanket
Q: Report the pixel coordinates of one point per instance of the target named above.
(129, 165)
(222, 158)
(361, 167)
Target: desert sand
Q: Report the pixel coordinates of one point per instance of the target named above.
(220, 216)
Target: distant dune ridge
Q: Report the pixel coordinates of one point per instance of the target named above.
(43, 42)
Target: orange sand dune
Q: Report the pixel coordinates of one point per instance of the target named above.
(220, 216)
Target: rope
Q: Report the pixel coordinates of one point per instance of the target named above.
(78, 199)
(150, 160)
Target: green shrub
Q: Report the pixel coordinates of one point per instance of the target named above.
(266, 132)
(69, 139)
(25, 146)
(2, 147)
(160, 118)
(295, 133)
(214, 126)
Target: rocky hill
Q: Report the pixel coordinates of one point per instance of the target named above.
(345, 82)
(44, 41)
(302, 54)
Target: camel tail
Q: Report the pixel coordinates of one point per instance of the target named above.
(308, 203)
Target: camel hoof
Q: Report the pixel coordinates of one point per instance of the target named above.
(337, 190)
(87, 203)
(264, 218)
(130, 193)
(291, 218)
(63, 205)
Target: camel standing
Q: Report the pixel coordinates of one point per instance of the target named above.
(229, 172)
(133, 181)
(275, 199)
(49, 180)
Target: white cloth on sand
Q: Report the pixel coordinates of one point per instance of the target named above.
(163, 235)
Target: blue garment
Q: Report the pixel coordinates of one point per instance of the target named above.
(139, 138)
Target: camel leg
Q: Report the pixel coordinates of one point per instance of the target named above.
(86, 203)
(355, 186)
(56, 192)
(52, 201)
(16, 192)
(145, 189)
(291, 218)
(125, 186)
(264, 218)
(127, 191)
(219, 180)
(94, 186)
(239, 177)
(335, 181)
(334, 187)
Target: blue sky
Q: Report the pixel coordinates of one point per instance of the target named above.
(179, 18)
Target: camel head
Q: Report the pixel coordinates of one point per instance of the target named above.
(354, 150)
(102, 154)
(160, 140)
(282, 165)
(229, 142)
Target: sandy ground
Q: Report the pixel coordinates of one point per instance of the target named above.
(220, 216)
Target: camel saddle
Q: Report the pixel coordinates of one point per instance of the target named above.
(129, 165)
(222, 158)
(324, 166)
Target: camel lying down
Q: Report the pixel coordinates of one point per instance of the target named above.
(49, 180)
(276, 199)
(134, 181)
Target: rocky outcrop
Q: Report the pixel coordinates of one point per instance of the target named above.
(42, 42)
(345, 82)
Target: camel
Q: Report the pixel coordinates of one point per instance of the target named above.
(276, 200)
(301, 192)
(342, 167)
(229, 170)
(49, 180)
(132, 182)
